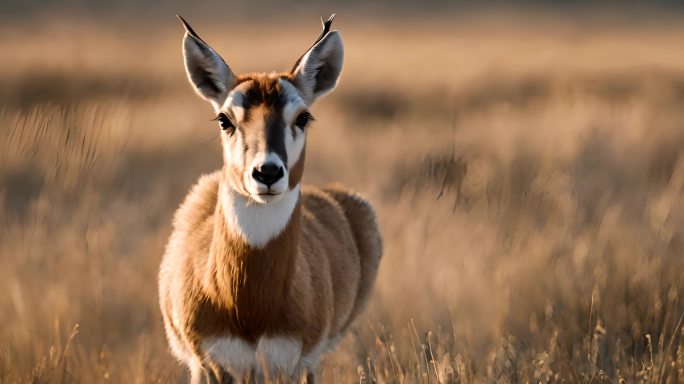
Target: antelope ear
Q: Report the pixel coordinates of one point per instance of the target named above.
(318, 70)
(208, 73)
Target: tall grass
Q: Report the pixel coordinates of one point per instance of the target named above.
(529, 194)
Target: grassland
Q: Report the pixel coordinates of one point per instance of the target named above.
(528, 175)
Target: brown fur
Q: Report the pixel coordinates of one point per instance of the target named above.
(316, 254)
(315, 276)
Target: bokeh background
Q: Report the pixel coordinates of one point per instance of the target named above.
(526, 161)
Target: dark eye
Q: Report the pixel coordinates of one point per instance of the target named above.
(303, 120)
(224, 121)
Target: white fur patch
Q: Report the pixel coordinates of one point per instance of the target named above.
(233, 354)
(258, 223)
(178, 348)
(280, 355)
(294, 147)
(195, 372)
(310, 361)
(232, 153)
(295, 105)
(234, 103)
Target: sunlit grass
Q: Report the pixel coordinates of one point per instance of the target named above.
(529, 194)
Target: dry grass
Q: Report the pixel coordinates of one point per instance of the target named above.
(528, 179)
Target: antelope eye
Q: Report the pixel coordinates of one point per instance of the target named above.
(303, 120)
(224, 121)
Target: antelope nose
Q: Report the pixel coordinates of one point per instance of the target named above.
(268, 173)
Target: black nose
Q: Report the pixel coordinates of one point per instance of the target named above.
(268, 173)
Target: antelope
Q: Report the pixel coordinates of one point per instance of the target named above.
(261, 276)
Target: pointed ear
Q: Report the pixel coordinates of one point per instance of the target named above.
(317, 71)
(208, 73)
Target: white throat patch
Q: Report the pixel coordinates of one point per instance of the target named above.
(258, 223)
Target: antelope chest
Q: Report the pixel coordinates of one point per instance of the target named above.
(238, 357)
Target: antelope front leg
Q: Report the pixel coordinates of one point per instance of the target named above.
(196, 373)
(216, 375)
(310, 377)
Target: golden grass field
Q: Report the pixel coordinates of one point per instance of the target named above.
(528, 175)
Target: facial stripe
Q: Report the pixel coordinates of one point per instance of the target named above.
(296, 172)
(276, 136)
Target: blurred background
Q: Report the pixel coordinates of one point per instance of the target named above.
(525, 160)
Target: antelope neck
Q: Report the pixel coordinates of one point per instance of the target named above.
(257, 224)
(251, 282)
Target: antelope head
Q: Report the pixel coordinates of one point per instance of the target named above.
(264, 117)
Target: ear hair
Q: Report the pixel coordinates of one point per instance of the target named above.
(208, 73)
(326, 29)
(317, 71)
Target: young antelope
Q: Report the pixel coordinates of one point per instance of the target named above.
(261, 276)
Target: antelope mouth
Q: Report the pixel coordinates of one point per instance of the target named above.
(266, 197)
